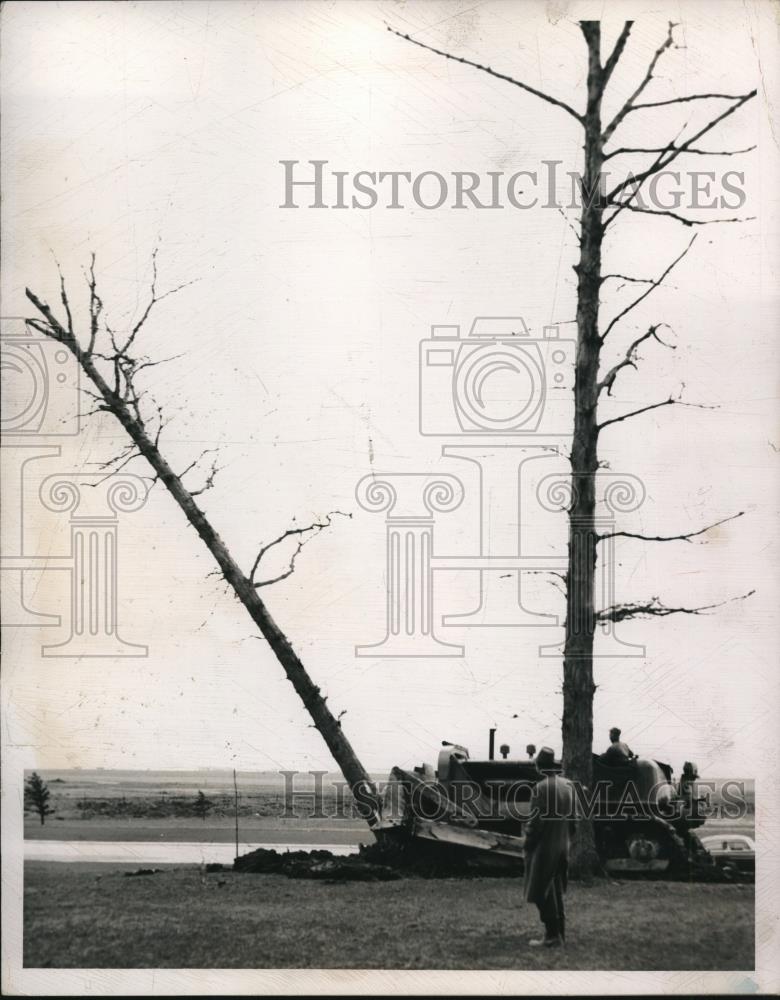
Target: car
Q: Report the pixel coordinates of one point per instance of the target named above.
(735, 850)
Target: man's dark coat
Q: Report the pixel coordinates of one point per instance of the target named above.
(547, 836)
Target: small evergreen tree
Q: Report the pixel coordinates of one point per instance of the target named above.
(203, 806)
(36, 796)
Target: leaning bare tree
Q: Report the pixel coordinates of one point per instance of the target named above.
(112, 365)
(601, 207)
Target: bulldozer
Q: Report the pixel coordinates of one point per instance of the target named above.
(477, 809)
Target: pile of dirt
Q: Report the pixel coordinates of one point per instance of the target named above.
(384, 861)
(315, 865)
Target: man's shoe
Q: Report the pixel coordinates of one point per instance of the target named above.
(555, 942)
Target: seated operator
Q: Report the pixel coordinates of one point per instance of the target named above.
(617, 753)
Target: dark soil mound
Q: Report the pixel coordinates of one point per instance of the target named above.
(316, 865)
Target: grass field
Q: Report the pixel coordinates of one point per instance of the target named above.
(96, 917)
(216, 830)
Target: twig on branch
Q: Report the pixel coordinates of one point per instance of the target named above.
(315, 529)
(630, 358)
(209, 478)
(686, 537)
(191, 466)
(670, 148)
(653, 285)
(100, 406)
(679, 218)
(486, 69)
(212, 474)
(655, 609)
(95, 307)
(686, 99)
(52, 328)
(562, 577)
(153, 300)
(671, 401)
(625, 277)
(113, 465)
(577, 235)
(64, 297)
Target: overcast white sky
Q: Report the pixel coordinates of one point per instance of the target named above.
(129, 124)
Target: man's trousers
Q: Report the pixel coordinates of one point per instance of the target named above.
(551, 910)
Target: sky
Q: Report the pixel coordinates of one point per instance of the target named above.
(130, 127)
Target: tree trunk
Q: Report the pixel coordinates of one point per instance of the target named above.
(578, 686)
(355, 774)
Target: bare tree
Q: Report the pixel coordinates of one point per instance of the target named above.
(601, 207)
(112, 365)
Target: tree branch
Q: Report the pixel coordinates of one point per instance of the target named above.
(95, 307)
(686, 537)
(668, 42)
(655, 609)
(54, 328)
(652, 288)
(316, 528)
(617, 52)
(672, 147)
(64, 297)
(678, 218)
(671, 401)
(685, 100)
(629, 361)
(486, 69)
(625, 277)
(674, 151)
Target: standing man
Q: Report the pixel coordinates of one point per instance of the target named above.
(547, 848)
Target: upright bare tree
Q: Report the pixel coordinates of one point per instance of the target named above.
(601, 207)
(112, 365)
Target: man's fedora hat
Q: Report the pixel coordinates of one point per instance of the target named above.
(545, 759)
